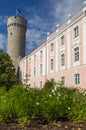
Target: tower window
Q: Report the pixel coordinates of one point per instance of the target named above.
(11, 33)
(15, 16)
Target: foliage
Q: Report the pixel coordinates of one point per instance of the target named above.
(7, 71)
(52, 102)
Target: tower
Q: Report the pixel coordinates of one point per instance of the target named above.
(17, 27)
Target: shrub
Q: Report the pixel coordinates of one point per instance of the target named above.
(7, 71)
(53, 102)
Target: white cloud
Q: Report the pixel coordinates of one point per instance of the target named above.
(3, 41)
(36, 32)
(3, 20)
(33, 39)
(38, 26)
(62, 9)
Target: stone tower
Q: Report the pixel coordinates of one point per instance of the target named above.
(17, 27)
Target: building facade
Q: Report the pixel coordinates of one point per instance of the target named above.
(62, 56)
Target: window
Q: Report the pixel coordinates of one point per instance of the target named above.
(24, 64)
(40, 68)
(76, 32)
(77, 78)
(63, 80)
(52, 64)
(34, 84)
(62, 59)
(30, 60)
(34, 57)
(40, 84)
(41, 53)
(29, 72)
(76, 54)
(34, 71)
(62, 40)
(52, 47)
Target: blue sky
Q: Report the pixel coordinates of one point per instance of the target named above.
(42, 17)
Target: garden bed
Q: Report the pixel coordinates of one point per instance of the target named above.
(43, 125)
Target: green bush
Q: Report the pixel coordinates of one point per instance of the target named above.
(52, 102)
(78, 109)
(7, 71)
(19, 103)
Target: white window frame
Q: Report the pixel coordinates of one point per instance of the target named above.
(52, 46)
(52, 64)
(30, 72)
(34, 84)
(63, 80)
(41, 84)
(76, 31)
(62, 59)
(34, 71)
(76, 54)
(41, 53)
(77, 78)
(41, 67)
(62, 40)
(29, 60)
(35, 57)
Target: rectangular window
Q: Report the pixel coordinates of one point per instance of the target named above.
(34, 71)
(52, 64)
(34, 84)
(77, 78)
(76, 54)
(40, 68)
(63, 80)
(30, 72)
(52, 47)
(40, 84)
(62, 40)
(62, 59)
(29, 60)
(41, 53)
(34, 57)
(76, 32)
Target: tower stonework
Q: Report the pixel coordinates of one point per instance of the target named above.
(17, 27)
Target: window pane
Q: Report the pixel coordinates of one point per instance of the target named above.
(40, 84)
(76, 31)
(77, 78)
(52, 47)
(52, 64)
(41, 53)
(62, 59)
(40, 68)
(63, 80)
(34, 57)
(76, 54)
(34, 71)
(62, 40)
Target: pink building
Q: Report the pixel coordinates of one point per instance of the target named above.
(62, 56)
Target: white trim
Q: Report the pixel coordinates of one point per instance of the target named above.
(56, 54)
(84, 40)
(68, 48)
